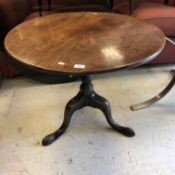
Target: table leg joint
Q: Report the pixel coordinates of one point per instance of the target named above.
(87, 97)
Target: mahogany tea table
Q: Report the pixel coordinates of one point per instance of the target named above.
(81, 44)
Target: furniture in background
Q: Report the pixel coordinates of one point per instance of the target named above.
(162, 14)
(72, 50)
(167, 25)
(76, 5)
(157, 13)
(40, 6)
(13, 12)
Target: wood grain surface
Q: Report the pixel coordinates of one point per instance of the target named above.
(84, 42)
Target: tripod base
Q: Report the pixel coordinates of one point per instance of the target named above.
(86, 97)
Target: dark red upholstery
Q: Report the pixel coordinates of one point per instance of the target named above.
(163, 16)
(122, 6)
(13, 12)
(36, 14)
(167, 55)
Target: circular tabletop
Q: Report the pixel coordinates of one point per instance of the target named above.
(84, 42)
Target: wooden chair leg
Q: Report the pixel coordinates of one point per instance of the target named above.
(131, 6)
(40, 7)
(109, 4)
(49, 5)
(166, 2)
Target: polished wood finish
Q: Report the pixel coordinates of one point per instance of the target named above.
(87, 97)
(84, 42)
